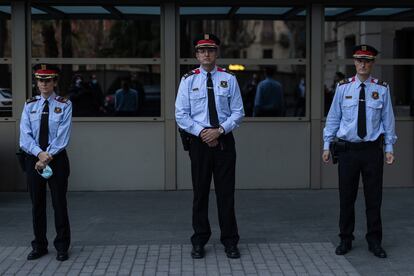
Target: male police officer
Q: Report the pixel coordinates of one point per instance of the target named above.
(208, 108)
(44, 133)
(362, 119)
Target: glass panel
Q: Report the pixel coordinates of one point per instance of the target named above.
(383, 11)
(5, 32)
(82, 9)
(399, 77)
(283, 97)
(6, 99)
(393, 39)
(137, 38)
(139, 10)
(102, 90)
(204, 10)
(335, 11)
(254, 36)
(263, 10)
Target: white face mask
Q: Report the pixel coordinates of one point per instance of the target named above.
(46, 172)
(78, 82)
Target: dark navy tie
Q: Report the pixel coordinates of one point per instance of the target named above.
(212, 111)
(362, 117)
(44, 127)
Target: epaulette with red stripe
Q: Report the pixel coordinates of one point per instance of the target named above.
(220, 69)
(32, 100)
(383, 83)
(343, 81)
(61, 99)
(192, 72)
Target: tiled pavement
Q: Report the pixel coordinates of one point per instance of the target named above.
(298, 227)
(257, 259)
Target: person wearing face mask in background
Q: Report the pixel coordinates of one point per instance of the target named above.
(97, 95)
(44, 134)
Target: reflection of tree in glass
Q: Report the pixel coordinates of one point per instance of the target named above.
(3, 36)
(134, 38)
(3, 42)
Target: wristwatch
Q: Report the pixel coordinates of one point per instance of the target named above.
(221, 130)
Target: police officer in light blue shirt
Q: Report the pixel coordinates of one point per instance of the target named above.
(208, 108)
(359, 125)
(44, 134)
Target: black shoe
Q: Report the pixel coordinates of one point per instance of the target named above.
(377, 250)
(232, 252)
(62, 256)
(36, 254)
(197, 252)
(344, 247)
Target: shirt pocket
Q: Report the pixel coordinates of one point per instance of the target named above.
(34, 117)
(374, 110)
(223, 97)
(197, 99)
(349, 110)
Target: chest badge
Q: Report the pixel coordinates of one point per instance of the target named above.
(375, 95)
(348, 97)
(58, 110)
(224, 84)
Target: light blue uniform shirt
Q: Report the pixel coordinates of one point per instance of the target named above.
(191, 105)
(342, 120)
(60, 115)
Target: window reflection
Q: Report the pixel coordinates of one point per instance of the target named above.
(5, 32)
(248, 38)
(6, 99)
(270, 91)
(138, 38)
(111, 90)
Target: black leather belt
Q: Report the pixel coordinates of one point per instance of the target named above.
(363, 145)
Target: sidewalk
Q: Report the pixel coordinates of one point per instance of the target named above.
(289, 232)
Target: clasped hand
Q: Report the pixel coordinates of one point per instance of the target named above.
(44, 159)
(209, 136)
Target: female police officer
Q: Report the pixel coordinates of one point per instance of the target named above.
(44, 133)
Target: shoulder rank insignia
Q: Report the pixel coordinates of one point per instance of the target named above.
(58, 110)
(32, 100)
(224, 84)
(375, 95)
(343, 81)
(192, 72)
(61, 99)
(225, 70)
(383, 83)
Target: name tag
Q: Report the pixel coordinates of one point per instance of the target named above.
(348, 97)
(195, 89)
